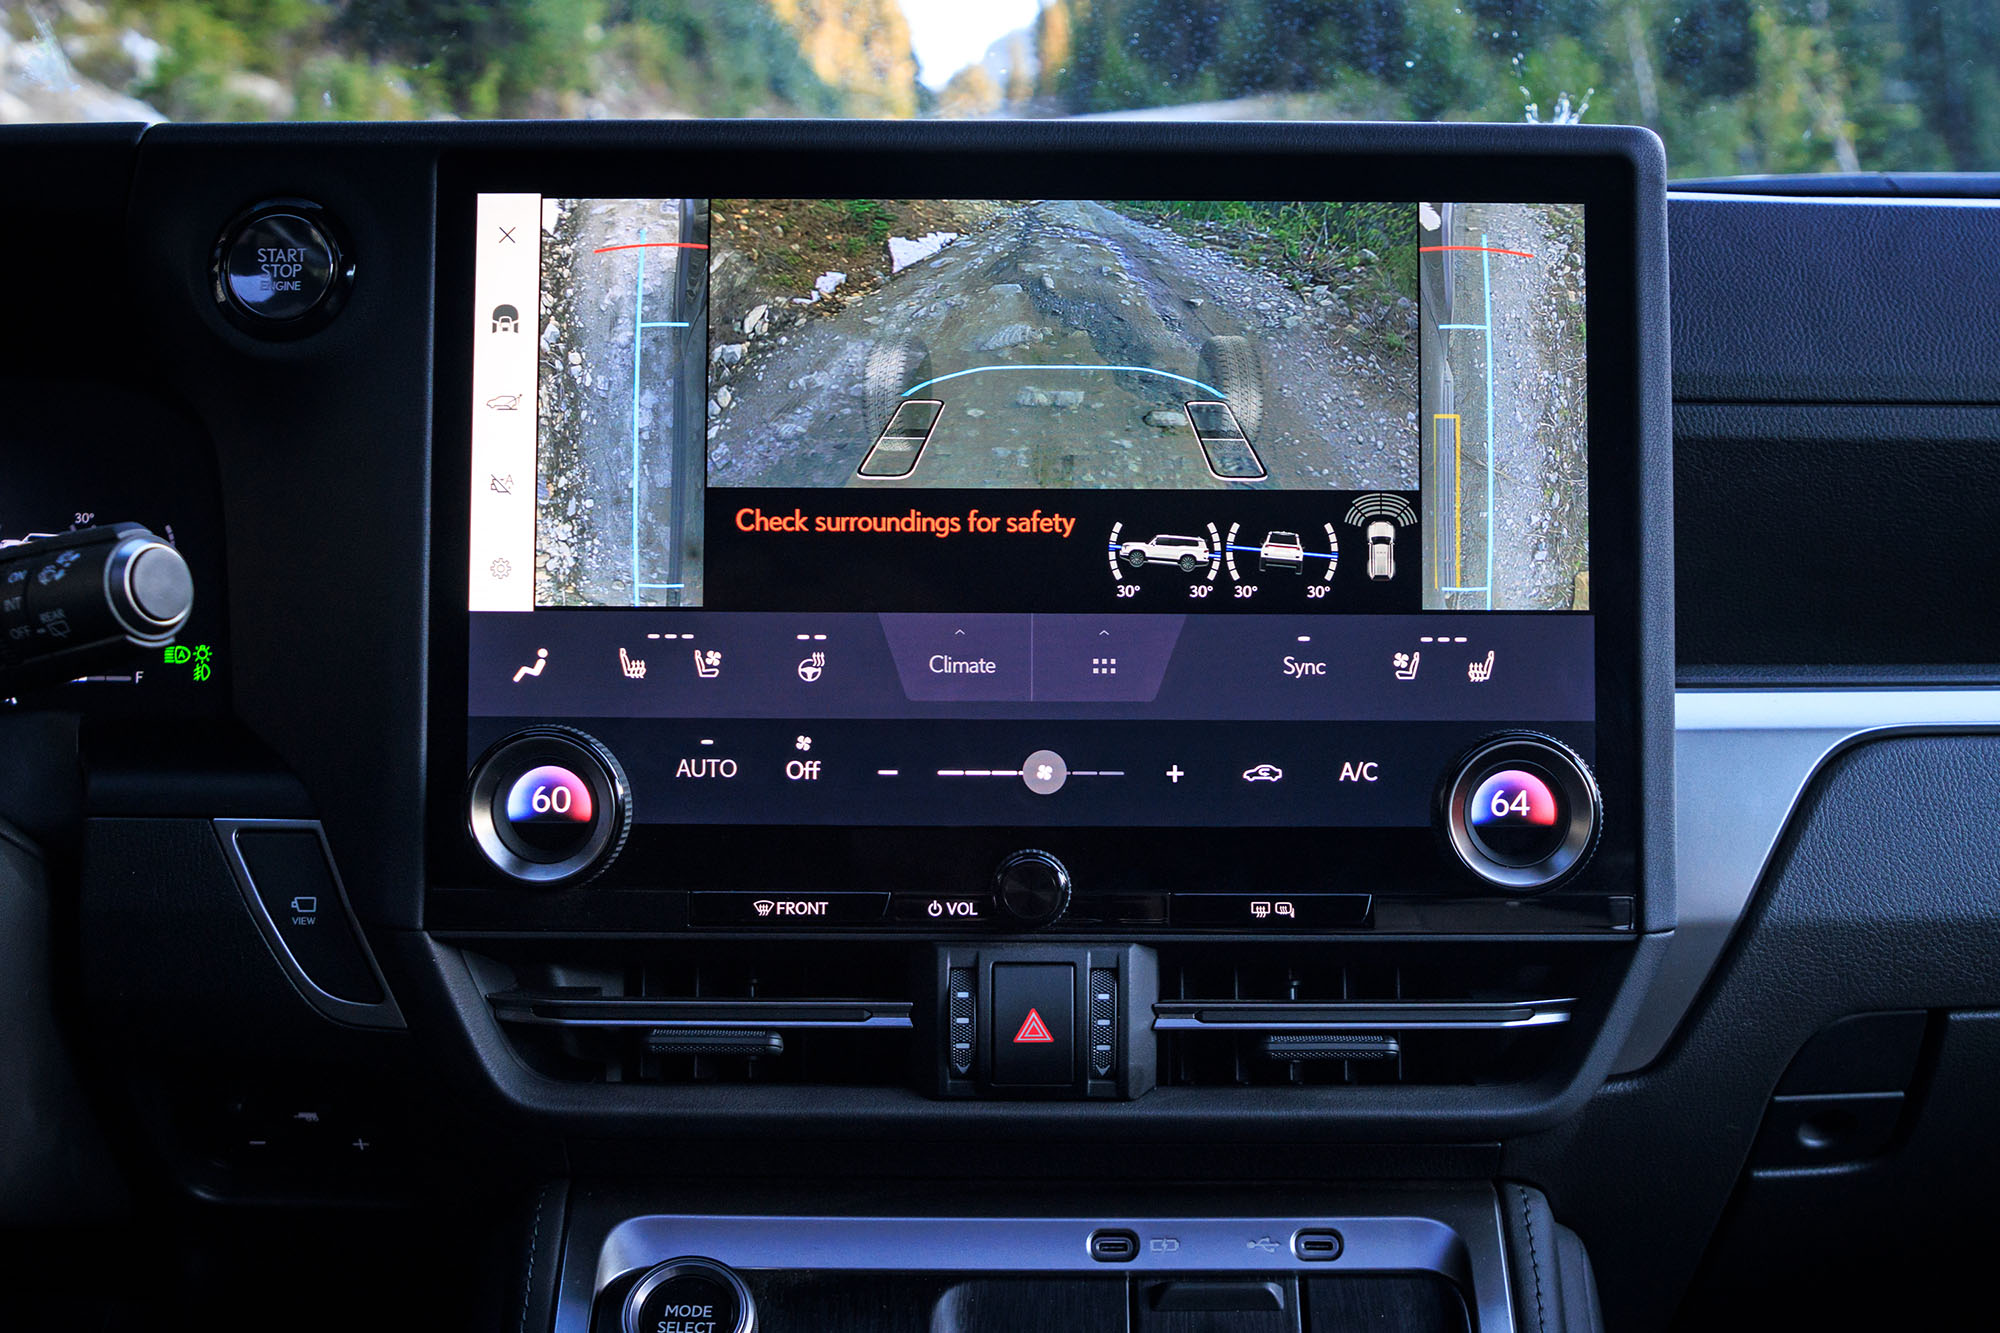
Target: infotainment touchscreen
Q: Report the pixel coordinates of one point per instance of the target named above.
(1086, 512)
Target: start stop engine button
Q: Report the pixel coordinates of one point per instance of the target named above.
(280, 268)
(689, 1296)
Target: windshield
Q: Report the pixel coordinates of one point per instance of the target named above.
(1732, 86)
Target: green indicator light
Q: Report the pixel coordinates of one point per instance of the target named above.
(200, 656)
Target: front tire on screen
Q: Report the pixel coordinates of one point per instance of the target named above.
(895, 366)
(1232, 365)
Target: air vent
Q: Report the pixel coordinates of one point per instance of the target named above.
(718, 1017)
(1267, 1019)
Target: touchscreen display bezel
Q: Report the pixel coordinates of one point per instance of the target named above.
(1609, 172)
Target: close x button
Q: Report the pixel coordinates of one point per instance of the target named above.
(1034, 1025)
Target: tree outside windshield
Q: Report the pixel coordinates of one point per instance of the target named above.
(1733, 86)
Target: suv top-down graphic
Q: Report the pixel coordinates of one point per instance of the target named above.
(1188, 553)
(1282, 551)
(1381, 549)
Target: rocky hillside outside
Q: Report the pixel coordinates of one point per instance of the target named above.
(1733, 86)
(415, 59)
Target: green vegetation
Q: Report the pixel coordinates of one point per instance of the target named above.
(1307, 243)
(401, 59)
(1731, 85)
(868, 224)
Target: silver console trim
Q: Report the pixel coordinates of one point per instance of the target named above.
(1356, 1016)
(1456, 1234)
(1742, 761)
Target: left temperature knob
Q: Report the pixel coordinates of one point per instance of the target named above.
(549, 806)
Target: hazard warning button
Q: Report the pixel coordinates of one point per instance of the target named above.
(1034, 1027)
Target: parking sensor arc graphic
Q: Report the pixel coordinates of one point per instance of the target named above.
(1381, 504)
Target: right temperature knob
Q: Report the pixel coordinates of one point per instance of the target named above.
(1522, 812)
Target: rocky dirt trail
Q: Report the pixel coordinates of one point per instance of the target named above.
(589, 484)
(1066, 313)
(1537, 405)
(1538, 531)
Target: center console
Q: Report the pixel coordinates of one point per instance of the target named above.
(1051, 648)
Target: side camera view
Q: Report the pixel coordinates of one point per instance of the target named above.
(1506, 483)
(622, 327)
(1063, 343)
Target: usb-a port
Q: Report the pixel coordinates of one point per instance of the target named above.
(1320, 1243)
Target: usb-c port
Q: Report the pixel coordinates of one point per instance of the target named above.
(1319, 1243)
(1114, 1247)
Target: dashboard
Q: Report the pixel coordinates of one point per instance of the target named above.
(773, 736)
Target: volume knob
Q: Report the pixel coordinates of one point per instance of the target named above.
(1032, 887)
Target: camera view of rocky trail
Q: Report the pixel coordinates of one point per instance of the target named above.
(1064, 339)
(1519, 268)
(618, 501)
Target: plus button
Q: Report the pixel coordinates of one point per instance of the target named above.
(1174, 775)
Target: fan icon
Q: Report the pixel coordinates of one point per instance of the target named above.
(803, 743)
(1045, 772)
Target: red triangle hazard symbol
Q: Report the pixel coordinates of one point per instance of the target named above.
(1033, 1029)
